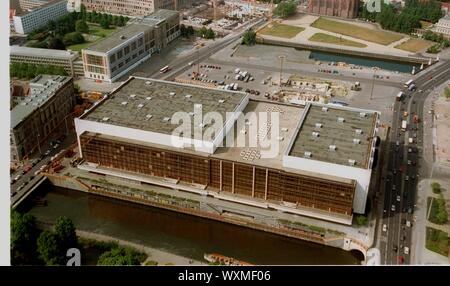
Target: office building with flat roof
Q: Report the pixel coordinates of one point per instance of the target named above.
(114, 56)
(130, 134)
(69, 60)
(38, 114)
(29, 20)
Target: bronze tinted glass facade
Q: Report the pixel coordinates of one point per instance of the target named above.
(223, 176)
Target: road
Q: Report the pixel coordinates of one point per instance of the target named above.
(405, 165)
(202, 53)
(28, 179)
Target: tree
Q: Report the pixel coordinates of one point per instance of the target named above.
(65, 233)
(442, 215)
(361, 220)
(436, 187)
(190, 30)
(23, 235)
(55, 43)
(286, 9)
(81, 26)
(104, 23)
(121, 256)
(83, 12)
(121, 21)
(49, 249)
(73, 38)
(210, 34)
(249, 38)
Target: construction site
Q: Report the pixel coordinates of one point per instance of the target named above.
(224, 16)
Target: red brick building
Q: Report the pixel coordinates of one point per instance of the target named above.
(337, 8)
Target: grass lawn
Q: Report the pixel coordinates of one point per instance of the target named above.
(414, 45)
(375, 36)
(324, 38)
(425, 24)
(281, 30)
(437, 241)
(97, 32)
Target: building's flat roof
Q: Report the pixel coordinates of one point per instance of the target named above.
(289, 118)
(119, 37)
(43, 87)
(44, 5)
(148, 97)
(339, 134)
(134, 27)
(36, 52)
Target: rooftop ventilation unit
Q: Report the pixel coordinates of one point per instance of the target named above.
(172, 93)
(316, 134)
(188, 96)
(148, 116)
(140, 105)
(308, 154)
(166, 119)
(341, 119)
(319, 125)
(124, 103)
(105, 118)
(132, 95)
(221, 100)
(358, 131)
(332, 147)
(356, 141)
(148, 98)
(351, 162)
(362, 114)
(325, 109)
(191, 113)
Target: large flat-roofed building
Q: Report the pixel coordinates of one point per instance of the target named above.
(337, 8)
(38, 114)
(136, 7)
(114, 56)
(443, 26)
(69, 60)
(29, 20)
(32, 4)
(130, 134)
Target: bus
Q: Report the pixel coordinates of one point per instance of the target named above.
(408, 83)
(404, 124)
(399, 96)
(164, 69)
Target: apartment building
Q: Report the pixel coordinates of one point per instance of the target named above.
(37, 115)
(28, 20)
(69, 60)
(122, 51)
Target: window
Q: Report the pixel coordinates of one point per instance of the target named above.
(127, 50)
(120, 54)
(94, 60)
(133, 46)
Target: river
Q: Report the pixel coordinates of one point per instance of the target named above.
(180, 234)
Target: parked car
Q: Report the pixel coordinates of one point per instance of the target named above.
(384, 227)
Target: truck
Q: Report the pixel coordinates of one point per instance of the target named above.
(410, 140)
(404, 125)
(416, 118)
(408, 83)
(399, 96)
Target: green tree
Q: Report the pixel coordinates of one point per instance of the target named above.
(73, 39)
(55, 43)
(83, 12)
(442, 215)
(49, 249)
(436, 187)
(361, 220)
(190, 30)
(249, 38)
(210, 34)
(121, 21)
(121, 256)
(65, 233)
(81, 26)
(23, 235)
(105, 23)
(286, 9)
